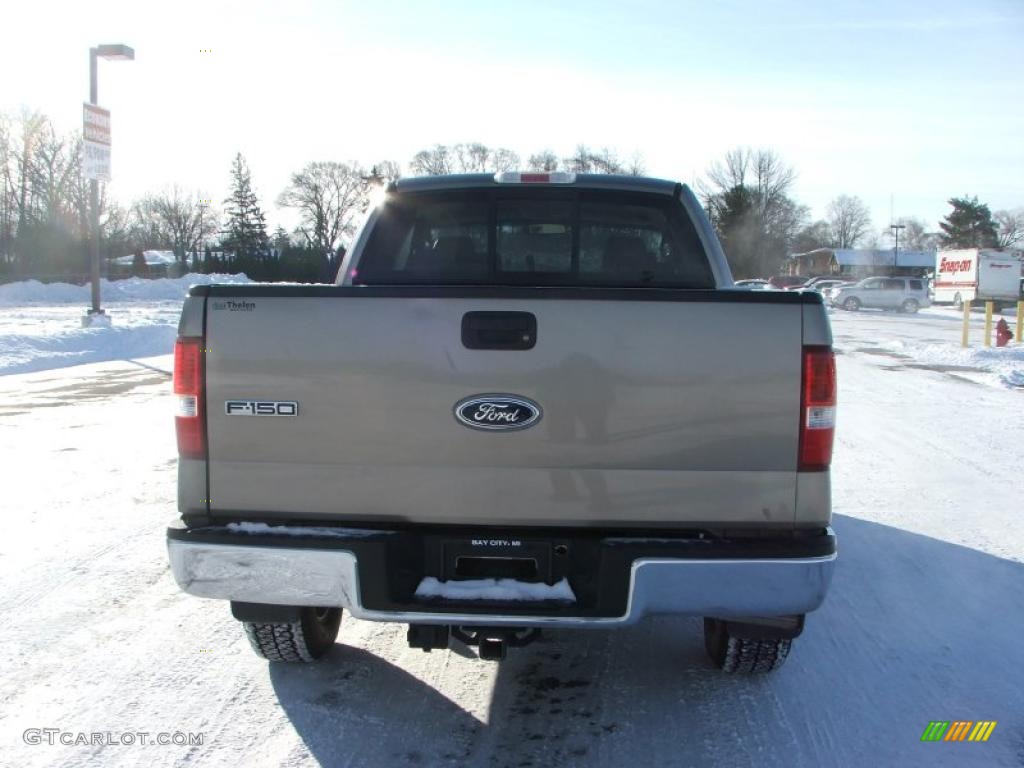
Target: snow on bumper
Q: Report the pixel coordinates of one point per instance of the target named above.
(330, 577)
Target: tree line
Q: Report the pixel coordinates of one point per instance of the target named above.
(748, 196)
(45, 221)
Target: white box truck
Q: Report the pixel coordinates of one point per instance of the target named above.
(978, 274)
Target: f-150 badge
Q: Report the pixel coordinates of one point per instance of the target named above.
(261, 408)
(497, 413)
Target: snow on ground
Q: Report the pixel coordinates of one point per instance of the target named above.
(924, 621)
(931, 340)
(40, 323)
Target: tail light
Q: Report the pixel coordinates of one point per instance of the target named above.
(817, 409)
(189, 382)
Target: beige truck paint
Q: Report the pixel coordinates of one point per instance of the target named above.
(655, 413)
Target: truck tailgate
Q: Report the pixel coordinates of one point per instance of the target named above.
(667, 412)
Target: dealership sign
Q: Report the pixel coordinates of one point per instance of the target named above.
(95, 142)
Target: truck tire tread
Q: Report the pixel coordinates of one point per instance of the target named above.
(743, 655)
(746, 655)
(304, 641)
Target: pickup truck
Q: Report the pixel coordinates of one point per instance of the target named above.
(530, 401)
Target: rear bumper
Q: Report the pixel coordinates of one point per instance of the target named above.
(325, 570)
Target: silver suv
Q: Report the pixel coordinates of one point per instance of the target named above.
(903, 294)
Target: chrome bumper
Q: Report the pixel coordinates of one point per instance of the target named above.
(722, 588)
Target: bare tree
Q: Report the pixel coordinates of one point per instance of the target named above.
(746, 195)
(636, 167)
(463, 158)
(504, 160)
(6, 192)
(606, 161)
(387, 171)
(32, 126)
(1010, 227)
(848, 220)
(175, 219)
(761, 170)
(432, 162)
(586, 160)
(545, 161)
(914, 236)
(329, 196)
(471, 158)
(580, 161)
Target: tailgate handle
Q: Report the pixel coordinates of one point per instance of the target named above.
(499, 330)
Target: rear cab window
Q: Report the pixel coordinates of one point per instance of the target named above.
(535, 237)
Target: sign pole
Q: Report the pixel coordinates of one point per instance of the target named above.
(94, 203)
(96, 168)
(967, 320)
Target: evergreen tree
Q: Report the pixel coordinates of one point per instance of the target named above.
(280, 240)
(968, 225)
(246, 230)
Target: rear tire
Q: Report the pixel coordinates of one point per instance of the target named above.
(305, 640)
(743, 655)
(910, 306)
(852, 304)
(958, 301)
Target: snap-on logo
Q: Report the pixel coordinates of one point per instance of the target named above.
(497, 413)
(948, 265)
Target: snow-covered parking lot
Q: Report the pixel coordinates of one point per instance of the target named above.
(924, 622)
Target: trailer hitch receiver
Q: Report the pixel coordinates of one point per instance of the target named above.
(494, 642)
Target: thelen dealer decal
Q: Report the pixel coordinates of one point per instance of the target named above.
(235, 306)
(497, 413)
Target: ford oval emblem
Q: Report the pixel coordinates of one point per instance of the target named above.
(497, 413)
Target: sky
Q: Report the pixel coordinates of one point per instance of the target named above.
(904, 104)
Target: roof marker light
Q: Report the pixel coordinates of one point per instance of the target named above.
(519, 177)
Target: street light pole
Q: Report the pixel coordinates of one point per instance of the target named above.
(114, 53)
(896, 248)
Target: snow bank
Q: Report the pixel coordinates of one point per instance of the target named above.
(131, 289)
(40, 323)
(1006, 363)
(28, 353)
(495, 589)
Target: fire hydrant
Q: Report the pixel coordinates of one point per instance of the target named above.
(1003, 333)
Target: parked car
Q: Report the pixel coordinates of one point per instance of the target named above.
(830, 292)
(785, 282)
(520, 413)
(809, 282)
(754, 285)
(903, 294)
(821, 284)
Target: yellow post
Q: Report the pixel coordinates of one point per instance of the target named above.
(967, 321)
(988, 323)
(1020, 321)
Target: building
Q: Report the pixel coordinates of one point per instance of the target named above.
(861, 262)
